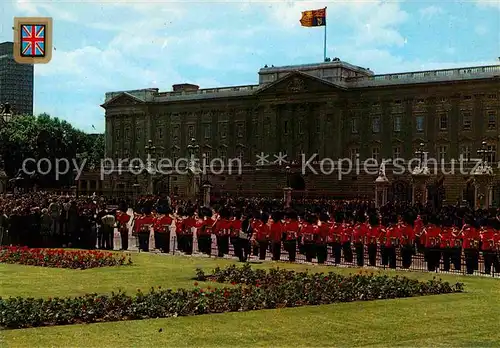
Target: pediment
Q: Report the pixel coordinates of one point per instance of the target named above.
(442, 140)
(490, 138)
(397, 140)
(465, 138)
(123, 99)
(419, 140)
(297, 83)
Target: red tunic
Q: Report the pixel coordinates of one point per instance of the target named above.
(162, 223)
(308, 232)
(179, 226)
(336, 232)
(207, 227)
(291, 229)
(407, 234)
(235, 227)
(360, 233)
(470, 237)
(276, 231)
(373, 234)
(146, 223)
(432, 234)
(263, 232)
(323, 233)
(488, 239)
(347, 232)
(393, 237)
(189, 226)
(137, 224)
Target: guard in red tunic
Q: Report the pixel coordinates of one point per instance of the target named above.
(190, 226)
(360, 233)
(206, 230)
(277, 228)
(146, 224)
(309, 234)
(456, 240)
(407, 233)
(347, 232)
(162, 226)
(262, 235)
(236, 234)
(432, 243)
(179, 230)
(336, 233)
(222, 232)
(446, 244)
(470, 242)
(255, 223)
(372, 237)
(322, 239)
(292, 232)
(123, 218)
(488, 247)
(392, 242)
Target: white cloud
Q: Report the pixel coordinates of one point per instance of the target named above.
(489, 3)
(430, 11)
(481, 29)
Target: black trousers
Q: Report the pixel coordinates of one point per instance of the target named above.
(276, 250)
(188, 244)
(124, 239)
(433, 258)
(157, 240)
(205, 244)
(383, 255)
(456, 258)
(322, 253)
(291, 248)
(391, 256)
(346, 248)
(446, 255)
(471, 259)
(372, 254)
(263, 245)
(143, 241)
(406, 255)
(236, 245)
(491, 261)
(107, 237)
(360, 254)
(222, 245)
(244, 249)
(337, 252)
(162, 241)
(310, 250)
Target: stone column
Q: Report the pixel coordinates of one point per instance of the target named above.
(287, 196)
(206, 195)
(381, 185)
(419, 188)
(483, 191)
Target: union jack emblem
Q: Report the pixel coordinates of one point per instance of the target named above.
(33, 40)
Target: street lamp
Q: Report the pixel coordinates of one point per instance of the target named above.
(193, 149)
(150, 151)
(287, 176)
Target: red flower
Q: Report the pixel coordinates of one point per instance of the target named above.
(233, 283)
(195, 283)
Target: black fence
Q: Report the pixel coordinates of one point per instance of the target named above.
(448, 261)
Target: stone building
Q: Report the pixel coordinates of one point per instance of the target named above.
(332, 109)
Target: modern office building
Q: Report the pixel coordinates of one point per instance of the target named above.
(16, 81)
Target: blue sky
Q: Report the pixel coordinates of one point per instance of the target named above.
(116, 45)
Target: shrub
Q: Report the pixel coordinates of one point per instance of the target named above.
(252, 290)
(62, 258)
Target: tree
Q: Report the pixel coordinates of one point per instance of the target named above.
(47, 138)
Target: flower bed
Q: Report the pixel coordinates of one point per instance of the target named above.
(62, 258)
(251, 290)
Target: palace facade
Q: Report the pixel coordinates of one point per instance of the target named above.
(332, 109)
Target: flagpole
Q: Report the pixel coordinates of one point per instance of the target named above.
(324, 45)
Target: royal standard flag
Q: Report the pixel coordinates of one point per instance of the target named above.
(313, 18)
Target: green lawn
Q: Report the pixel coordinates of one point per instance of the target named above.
(468, 319)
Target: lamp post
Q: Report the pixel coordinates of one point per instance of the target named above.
(287, 191)
(483, 178)
(193, 149)
(420, 177)
(150, 151)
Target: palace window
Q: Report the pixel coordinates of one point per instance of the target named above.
(467, 97)
(301, 126)
(397, 123)
(376, 124)
(117, 135)
(443, 121)
(375, 153)
(419, 121)
(285, 127)
(492, 120)
(176, 132)
(160, 132)
(420, 101)
(127, 133)
(465, 152)
(354, 125)
(206, 157)
(442, 150)
(255, 129)
(354, 154)
(190, 132)
(396, 152)
(241, 156)
(466, 120)
(492, 153)
(207, 131)
(239, 130)
(223, 129)
(223, 155)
